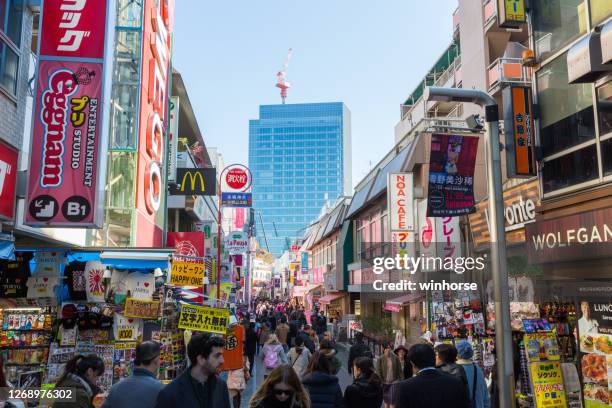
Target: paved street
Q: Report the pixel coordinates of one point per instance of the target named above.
(343, 375)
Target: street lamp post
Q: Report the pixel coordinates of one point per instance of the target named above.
(503, 341)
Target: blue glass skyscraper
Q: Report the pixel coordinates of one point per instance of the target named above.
(299, 154)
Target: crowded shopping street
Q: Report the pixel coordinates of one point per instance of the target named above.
(218, 204)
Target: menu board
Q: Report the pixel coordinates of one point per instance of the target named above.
(595, 334)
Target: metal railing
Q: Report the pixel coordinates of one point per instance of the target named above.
(507, 70)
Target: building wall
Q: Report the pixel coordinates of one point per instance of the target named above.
(299, 155)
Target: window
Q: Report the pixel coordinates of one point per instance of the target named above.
(11, 17)
(574, 168)
(556, 23)
(604, 108)
(600, 10)
(567, 117)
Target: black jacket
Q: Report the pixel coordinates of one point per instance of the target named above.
(363, 394)
(181, 393)
(307, 341)
(324, 390)
(430, 389)
(357, 350)
(455, 370)
(250, 342)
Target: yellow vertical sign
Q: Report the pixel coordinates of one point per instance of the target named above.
(547, 380)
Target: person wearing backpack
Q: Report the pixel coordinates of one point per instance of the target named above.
(446, 362)
(299, 357)
(273, 354)
(477, 387)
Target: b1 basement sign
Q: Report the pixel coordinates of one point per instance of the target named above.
(236, 242)
(400, 199)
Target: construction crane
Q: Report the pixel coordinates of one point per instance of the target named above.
(280, 77)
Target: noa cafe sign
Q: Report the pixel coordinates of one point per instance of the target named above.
(236, 242)
(400, 199)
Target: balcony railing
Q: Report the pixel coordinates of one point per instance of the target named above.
(507, 70)
(490, 11)
(456, 20)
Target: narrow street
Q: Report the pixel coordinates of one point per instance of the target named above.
(258, 374)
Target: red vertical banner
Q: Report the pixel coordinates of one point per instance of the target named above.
(239, 218)
(9, 157)
(451, 175)
(67, 130)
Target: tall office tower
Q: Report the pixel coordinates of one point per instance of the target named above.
(300, 156)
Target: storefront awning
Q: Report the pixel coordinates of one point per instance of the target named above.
(137, 259)
(327, 299)
(406, 299)
(303, 290)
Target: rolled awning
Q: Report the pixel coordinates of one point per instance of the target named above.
(406, 299)
(137, 259)
(327, 299)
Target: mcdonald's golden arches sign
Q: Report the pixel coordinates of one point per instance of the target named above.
(192, 181)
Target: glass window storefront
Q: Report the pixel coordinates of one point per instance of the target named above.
(566, 110)
(600, 11)
(11, 17)
(556, 23)
(604, 108)
(606, 156)
(574, 168)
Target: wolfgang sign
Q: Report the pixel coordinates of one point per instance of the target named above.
(64, 187)
(400, 199)
(581, 236)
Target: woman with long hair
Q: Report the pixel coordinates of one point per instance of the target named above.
(81, 374)
(281, 389)
(366, 391)
(321, 383)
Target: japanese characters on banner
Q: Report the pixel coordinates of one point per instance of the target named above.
(451, 175)
(234, 348)
(68, 135)
(9, 157)
(206, 319)
(236, 199)
(400, 190)
(187, 273)
(438, 236)
(547, 381)
(237, 178)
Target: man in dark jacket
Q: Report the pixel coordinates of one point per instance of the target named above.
(198, 386)
(250, 345)
(359, 349)
(446, 362)
(307, 340)
(141, 389)
(424, 390)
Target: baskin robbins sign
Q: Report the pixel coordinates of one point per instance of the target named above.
(70, 120)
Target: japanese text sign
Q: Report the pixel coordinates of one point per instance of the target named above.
(511, 13)
(206, 319)
(519, 135)
(400, 201)
(234, 348)
(145, 309)
(236, 199)
(187, 273)
(547, 381)
(451, 175)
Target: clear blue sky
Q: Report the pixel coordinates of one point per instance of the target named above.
(368, 54)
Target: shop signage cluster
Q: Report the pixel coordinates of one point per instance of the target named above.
(206, 319)
(143, 309)
(195, 181)
(242, 200)
(187, 273)
(67, 134)
(518, 125)
(581, 236)
(451, 175)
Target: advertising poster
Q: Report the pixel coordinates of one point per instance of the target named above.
(187, 273)
(188, 244)
(541, 346)
(595, 334)
(548, 387)
(234, 348)
(63, 176)
(206, 319)
(451, 175)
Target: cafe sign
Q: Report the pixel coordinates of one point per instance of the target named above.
(582, 236)
(400, 201)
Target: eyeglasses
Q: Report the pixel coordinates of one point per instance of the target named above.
(281, 392)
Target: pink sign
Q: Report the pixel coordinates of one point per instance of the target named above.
(65, 144)
(392, 307)
(73, 28)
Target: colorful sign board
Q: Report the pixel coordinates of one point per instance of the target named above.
(400, 197)
(234, 348)
(206, 319)
(438, 236)
(236, 199)
(541, 346)
(547, 382)
(236, 242)
(187, 273)
(144, 309)
(519, 132)
(511, 13)
(195, 181)
(68, 139)
(451, 175)
(155, 72)
(9, 157)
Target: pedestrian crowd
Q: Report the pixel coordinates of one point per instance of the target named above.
(301, 365)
